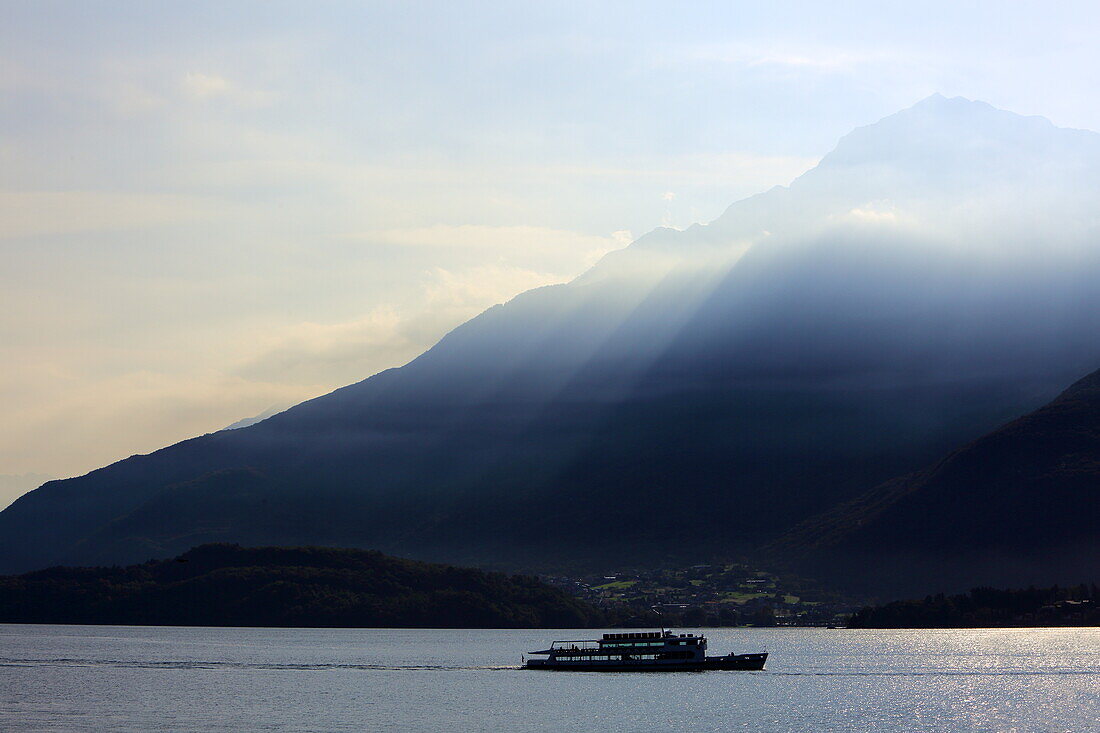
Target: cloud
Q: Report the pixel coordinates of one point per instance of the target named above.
(206, 85)
(623, 237)
(808, 57)
(328, 355)
(823, 63)
(527, 239)
(521, 252)
(76, 421)
(213, 86)
(875, 213)
(871, 215)
(482, 286)
(728, 168)
(34, 213)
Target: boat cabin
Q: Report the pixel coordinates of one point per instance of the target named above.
(631, 646)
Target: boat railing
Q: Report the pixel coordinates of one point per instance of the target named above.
(575, 645)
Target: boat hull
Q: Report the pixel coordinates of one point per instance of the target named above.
(749, 662)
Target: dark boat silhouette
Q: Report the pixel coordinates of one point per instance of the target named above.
(640, 651)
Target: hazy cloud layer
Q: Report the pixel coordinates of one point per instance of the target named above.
(326, 353)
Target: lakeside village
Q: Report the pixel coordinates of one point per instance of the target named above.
(730, 594)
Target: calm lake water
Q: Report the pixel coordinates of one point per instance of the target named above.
(152, 678)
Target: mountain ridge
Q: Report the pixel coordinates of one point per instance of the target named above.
(824, 343)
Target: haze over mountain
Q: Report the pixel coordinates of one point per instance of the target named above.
(245, 422)
(698, 392)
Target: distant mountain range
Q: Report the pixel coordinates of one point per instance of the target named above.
(698, 393)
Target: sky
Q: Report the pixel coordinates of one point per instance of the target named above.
(210, 209)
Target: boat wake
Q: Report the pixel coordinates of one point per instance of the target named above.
(258, 666)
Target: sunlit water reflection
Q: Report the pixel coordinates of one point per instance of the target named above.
(129, 678)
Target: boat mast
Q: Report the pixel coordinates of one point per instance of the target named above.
(658, 612)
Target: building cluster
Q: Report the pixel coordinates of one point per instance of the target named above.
(728, 594)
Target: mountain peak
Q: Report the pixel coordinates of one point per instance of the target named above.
(939, 101)
(954, 144)
(934, 125)
(938, 104)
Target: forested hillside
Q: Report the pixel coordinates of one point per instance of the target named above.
(988, 607)
(229, 585)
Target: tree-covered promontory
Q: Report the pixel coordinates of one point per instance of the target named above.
(230, 585)
(988, 608)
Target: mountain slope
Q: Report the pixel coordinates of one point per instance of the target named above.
(1019, 504)
(934, 276)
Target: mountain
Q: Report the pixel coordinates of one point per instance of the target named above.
(247, 421)
(229, 585)
(1018, 505)
(698, 393)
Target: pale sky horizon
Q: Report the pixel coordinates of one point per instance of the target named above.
(210, 209)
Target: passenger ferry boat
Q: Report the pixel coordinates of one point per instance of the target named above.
(640, 651)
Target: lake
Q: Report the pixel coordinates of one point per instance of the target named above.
(107, 678)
